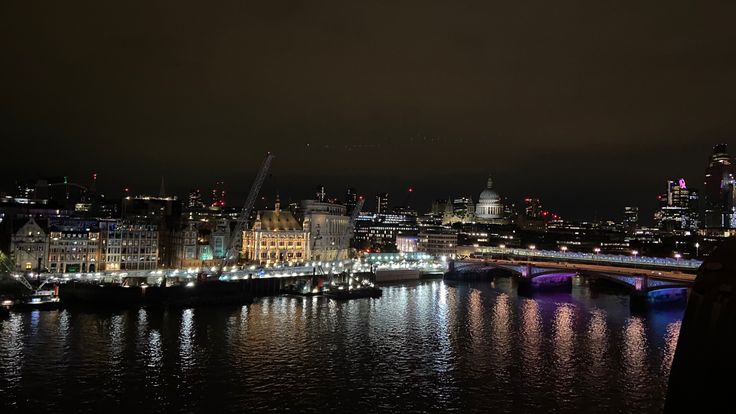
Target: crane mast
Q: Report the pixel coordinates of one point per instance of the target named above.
(231, 254)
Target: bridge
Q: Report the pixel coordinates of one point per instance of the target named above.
(643, 285)
(634, 261)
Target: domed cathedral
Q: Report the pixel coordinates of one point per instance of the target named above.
(489, 208)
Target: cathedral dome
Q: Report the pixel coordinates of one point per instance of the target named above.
(488, 194)
(489, 203)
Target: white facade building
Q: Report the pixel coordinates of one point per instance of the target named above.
(327, 225)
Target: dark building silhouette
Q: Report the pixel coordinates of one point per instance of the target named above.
(718, 194)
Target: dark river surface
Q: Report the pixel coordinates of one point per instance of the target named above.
(423, 347)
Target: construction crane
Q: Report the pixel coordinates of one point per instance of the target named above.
(231, 254)
(7, 268)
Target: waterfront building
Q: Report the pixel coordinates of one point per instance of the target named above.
(328, 228)
(438, 242)
(184, 246)
(276, 237)
(129, 245)
(379, 231)
(29, 246)
(74, 246)
(719, 203)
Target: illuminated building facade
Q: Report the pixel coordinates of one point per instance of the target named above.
(276, 237)
(489, 208)
(438, 242)
(678, 209)
(374, 230)
(29, 246)
(74, 246)
(128, 245)
(407, 244)
(327, 225)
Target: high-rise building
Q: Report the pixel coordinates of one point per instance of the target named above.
(382, 204)
(718, 197)
(351, 199)
(195, 199)
(678, 210)
(218, 194)
(631, 218)
(532, 207)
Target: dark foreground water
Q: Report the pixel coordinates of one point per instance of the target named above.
(423, 347)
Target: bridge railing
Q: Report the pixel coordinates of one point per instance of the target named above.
(596, 257)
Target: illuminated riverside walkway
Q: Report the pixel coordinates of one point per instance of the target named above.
(424, 263)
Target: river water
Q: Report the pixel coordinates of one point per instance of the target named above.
(423, 347)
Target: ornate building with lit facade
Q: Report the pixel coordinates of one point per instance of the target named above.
(276, 237)
(29, 246)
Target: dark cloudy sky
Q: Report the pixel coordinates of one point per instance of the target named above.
(588, 104)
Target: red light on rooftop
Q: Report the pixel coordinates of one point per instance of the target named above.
(411, 190)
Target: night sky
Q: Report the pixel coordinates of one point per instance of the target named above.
(590, 105)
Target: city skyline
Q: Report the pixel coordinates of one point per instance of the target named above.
(433, 94)
(295, 188)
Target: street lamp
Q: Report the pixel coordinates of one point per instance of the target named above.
(697, 249)
(564, 249)
(635, 253)
(597, 250)
(532, 247)
(678, 256)
(503, 246)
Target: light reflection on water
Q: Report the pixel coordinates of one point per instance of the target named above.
(428, 346)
